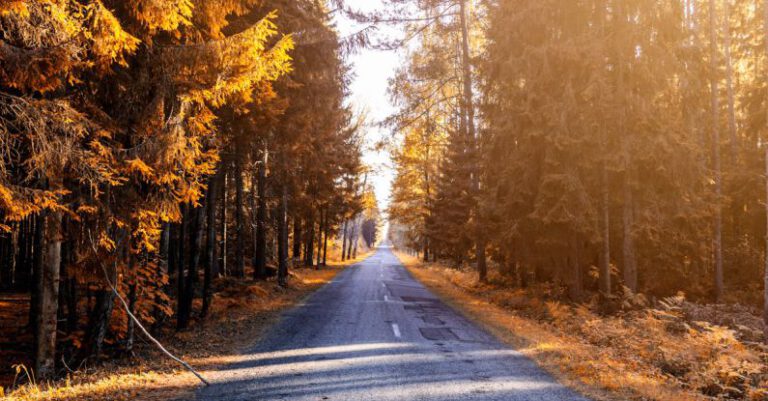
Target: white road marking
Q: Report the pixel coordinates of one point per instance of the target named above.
(396, 330)
(386, 298)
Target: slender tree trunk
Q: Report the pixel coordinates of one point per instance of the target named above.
(605, 259)
(320, 229)
(260, 259)
(310, 246)
(630, 263)
(729, 80)
(48, 293)
(282, 232)
(344, 241)
(131, 331)
(239, 270)
(357, 239)
(35, 259)
(224, 200)
(296, 237)
(181, 266)
(210, 240)
(718, 223)
(325, 241)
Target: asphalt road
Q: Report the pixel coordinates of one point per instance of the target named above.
(375, 333)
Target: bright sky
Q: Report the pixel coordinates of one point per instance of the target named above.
(372, 70)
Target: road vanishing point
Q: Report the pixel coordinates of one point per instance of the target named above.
(375, 333)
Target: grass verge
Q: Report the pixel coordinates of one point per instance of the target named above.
(644, 354)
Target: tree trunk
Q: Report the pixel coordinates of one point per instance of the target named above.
(729, 80)
(187, 296)
(344, 241)
(296, 237)
(48, 295)
(282, 228)
(309, 247)
(320, 229)
(98, 323)
(131, 332)
(469, 107)
(630, 263)
(356, 239)
(224, 201)
(325, 241)
(239, 270)
(181, 267)
(605, 259)
(260, 256)
(210, 243)
(718, 223)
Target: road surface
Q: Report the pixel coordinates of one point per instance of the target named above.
(375, 333)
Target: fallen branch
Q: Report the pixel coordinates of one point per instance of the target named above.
(144, 330)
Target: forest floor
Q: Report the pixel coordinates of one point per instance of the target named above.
(241, 312)
(674, 351)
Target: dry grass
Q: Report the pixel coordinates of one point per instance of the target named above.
(241, 312)
(647, 354)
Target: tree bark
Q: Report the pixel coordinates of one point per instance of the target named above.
(344, 241)
(605, 257)
(310, 245)
(282, 228)
(239, 270)
(210, 243)
(260, 256)
(715, 105)
(320, 230)
(48, 293)
(224, 200)
(296, 238)
(729, 80)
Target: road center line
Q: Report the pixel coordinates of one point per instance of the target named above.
(396, 330)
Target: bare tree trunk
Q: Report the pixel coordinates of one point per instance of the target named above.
(311, 241)
(729, 80)
(320, 230)
(210, 243)
(469, 107)
(260, 257)
(282, 232)
(131, 332)
(296, 238)
(605, 259)
(239, 270)
(325, 241)
(181, 266)
(48, 295)
(344, 241)
(224, 200)
(718, 237)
